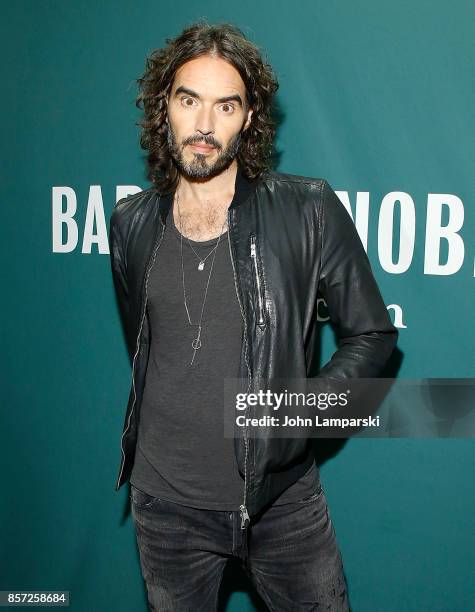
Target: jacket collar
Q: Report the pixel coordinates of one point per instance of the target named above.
(243, 189)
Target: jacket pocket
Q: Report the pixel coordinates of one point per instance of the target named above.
(140, 499)
(258, 284)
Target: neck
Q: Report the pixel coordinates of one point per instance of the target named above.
(203, 193)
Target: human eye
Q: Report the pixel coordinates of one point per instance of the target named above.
(229, 108)
(183, 98)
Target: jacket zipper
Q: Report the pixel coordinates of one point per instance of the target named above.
(258, 282)
(242, 507)
(151, 262)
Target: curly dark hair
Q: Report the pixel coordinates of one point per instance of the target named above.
(255, 154)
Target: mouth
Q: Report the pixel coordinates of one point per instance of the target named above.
(202, 148)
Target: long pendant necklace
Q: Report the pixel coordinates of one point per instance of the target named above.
(196, 343)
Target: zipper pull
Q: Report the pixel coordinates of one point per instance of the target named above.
(244, 516)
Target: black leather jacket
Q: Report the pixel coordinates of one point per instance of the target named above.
(289, 238)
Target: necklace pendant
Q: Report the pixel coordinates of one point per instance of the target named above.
(196, 344)
(201, 265)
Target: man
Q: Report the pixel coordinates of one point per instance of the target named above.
(216, 269)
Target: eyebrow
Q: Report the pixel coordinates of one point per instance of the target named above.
(190, 92)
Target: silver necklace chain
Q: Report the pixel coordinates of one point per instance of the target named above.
(201, 264)
(196, 343)
(201, 260)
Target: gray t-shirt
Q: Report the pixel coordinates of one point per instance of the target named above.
(181, 453)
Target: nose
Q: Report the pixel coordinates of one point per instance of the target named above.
(204, 121)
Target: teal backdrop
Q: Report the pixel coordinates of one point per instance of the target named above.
(376, 97)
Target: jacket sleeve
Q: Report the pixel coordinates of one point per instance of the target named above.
(367, 336)
(119, 272)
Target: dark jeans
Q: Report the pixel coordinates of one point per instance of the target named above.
(293, 558)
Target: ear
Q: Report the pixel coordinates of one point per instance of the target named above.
(248, 120)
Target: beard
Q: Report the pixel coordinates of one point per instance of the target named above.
(200, 167)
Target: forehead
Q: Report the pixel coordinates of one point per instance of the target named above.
(209, 75)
